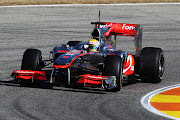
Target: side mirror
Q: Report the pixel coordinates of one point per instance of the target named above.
(67, 46)
(51, 55)
(85, 46)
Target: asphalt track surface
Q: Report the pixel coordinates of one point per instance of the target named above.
(46, 27)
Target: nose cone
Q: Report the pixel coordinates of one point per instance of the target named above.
(64, 59)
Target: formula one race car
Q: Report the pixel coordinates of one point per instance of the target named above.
(96, 63)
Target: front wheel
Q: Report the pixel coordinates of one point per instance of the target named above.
(31, 60)
(113, 67)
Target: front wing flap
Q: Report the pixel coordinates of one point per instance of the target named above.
(28, 74)
(107, 82)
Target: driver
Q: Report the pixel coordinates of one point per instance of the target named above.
(94, 45)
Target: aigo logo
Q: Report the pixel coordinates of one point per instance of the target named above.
(127, 27)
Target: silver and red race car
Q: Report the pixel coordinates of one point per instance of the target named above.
(81, 64)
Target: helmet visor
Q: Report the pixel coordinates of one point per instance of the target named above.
(93, 48)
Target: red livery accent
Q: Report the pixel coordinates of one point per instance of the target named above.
(28, 74)
(65, 57)
(110, 54)
(128, 67)
(62, 51)
(91, 79)
(139, 48)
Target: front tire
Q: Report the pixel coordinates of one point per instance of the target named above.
(113, 67)
(31, 60)
(151, 65)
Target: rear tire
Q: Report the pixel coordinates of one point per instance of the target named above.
(31, 60)
(151, 65)
(113, 67)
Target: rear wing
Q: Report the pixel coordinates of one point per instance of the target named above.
(103, 31)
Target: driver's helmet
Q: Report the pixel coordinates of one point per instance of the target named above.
(94, 45)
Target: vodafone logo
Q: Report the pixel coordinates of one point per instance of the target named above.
(104, 26)
(127, 27)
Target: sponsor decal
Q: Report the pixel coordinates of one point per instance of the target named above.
(65, 57)
(95, 77)
(104, 26)
(127, 27)
(27, 72)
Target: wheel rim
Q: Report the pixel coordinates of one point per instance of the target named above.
(38, 63)
(161, 66)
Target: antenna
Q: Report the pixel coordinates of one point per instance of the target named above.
(99, 13)
(99, 20)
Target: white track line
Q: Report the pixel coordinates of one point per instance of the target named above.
(68, 5)
(145, 101)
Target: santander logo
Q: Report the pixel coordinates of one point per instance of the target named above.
(127, 27)
(25, 72)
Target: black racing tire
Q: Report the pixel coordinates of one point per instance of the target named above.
(31, 60)
(151, 65)
(113, 67)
